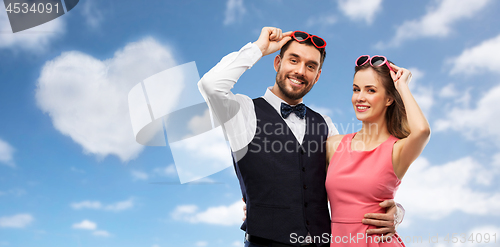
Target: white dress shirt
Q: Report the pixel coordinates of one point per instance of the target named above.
(216, 85)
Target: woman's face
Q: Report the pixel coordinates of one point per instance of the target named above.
(369, 96)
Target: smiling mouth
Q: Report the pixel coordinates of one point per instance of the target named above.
(295, 81)
(362, 108)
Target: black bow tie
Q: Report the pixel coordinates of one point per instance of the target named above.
(300, 110)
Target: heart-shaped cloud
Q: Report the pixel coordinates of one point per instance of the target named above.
(86, 98)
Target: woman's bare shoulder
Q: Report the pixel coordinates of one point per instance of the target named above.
(335, 138)
(333, 142)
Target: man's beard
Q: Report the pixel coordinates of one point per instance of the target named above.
(289, 94)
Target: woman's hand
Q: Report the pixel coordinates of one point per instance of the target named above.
(400, 76)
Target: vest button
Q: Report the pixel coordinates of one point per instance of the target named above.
(302, 151)
(307, 222)
(303, 169)
(305, 187)
(305, 204)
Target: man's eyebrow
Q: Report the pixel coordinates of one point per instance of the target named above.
(314, 62)
(310, 61)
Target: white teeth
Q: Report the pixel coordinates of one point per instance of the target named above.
(295, 81)
(362, 107)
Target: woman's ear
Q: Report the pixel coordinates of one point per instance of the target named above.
(389, 102)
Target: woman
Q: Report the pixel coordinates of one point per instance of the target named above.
(366, 168)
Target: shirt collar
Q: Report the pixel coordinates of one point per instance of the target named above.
(274, 100)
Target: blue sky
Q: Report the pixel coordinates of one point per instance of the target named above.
(71, 173)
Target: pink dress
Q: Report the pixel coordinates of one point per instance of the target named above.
(356, 182)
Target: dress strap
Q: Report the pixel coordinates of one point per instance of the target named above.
(345, 143)
(393, 139)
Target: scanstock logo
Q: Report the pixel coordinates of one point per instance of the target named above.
(25, 14)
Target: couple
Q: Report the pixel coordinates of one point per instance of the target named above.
(280, 146)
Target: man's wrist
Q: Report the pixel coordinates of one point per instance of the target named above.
(259, 48)
(400, 214)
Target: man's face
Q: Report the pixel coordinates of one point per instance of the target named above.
(297, 71)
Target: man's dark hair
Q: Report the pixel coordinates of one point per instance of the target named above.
(307, 42)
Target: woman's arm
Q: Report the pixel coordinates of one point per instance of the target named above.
(332, 144)
(408, 149)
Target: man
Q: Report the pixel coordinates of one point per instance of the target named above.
(278, 143)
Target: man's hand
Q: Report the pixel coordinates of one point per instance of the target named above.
(384, 222)
(271, 39)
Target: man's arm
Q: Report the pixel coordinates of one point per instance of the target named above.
(386, 223)
(235, 112)
(332, 130)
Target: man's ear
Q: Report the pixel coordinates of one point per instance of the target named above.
(277, 62)
(317, 77)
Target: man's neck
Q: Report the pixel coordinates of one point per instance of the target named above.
(276, 91)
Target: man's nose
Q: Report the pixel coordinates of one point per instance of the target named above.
(300, 69)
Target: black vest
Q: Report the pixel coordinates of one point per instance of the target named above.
(282, 181)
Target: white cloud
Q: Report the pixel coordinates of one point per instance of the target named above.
(16, 221)
(481, 58)
(6, 153)
(237, 244)
(101, 233)
(92, 14)
(139, 175)
(360, 10)
(213, 149)
(438, 20)
(234, 11)
(16, 192)
(35, 39)
(197, 124)
(87, 99)
(322, 110)
(422, 94)
(435, 191)
(183, 210)
(166, 171)
(91, 226)
(85, 225)
(321, 20)
(120, 206)
(454, 97)
(448, 91)
(221, 215)
(87, 204)
(478, 123)
(73, 169)
(201, 243)
(115, 207)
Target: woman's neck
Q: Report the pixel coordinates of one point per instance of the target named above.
(374, 131)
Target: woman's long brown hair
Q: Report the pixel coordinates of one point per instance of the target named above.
(395, 116)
